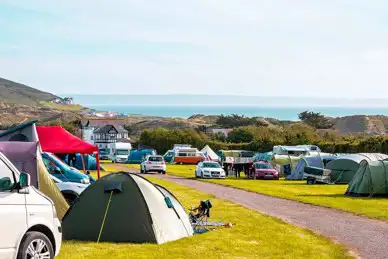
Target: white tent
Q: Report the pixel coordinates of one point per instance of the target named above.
(208, 152)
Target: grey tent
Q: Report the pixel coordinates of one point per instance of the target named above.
(22, 133)
(371, 179)
(26, 157)
(312, 161)
(124, 207)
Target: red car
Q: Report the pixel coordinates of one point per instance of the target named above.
(263, 170)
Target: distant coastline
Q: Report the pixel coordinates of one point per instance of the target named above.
(224, 100)
(281, 113)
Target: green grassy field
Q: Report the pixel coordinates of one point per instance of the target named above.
(323, 195)
(253, 236)
(63, 107)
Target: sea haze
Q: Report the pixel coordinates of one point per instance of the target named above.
(184, 106)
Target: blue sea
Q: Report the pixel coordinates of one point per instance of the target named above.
(282, 113)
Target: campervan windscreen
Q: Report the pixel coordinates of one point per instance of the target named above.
(247, 154)
(122, 152)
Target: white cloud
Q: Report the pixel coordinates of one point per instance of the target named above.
(262, 47)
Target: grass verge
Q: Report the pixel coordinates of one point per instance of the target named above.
(253, 236)
(331, 196)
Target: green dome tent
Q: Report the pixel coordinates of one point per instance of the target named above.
(124, 207)
(371, 179)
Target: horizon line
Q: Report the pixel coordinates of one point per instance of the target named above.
(228, 95)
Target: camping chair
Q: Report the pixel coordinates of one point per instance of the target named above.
(199, 216)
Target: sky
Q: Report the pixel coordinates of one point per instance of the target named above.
(238, 47)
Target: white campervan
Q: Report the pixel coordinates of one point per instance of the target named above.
(119, 152)
(29, 224)
(295, 150)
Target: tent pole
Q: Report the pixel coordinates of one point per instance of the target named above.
(83, 163)
(98, 165)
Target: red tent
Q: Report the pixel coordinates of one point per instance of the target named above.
(56, 139)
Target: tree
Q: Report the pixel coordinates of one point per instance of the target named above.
(219, 136)
(234, 121)
(240, 135)
(315, 119)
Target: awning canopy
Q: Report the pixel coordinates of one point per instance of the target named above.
(56, 139)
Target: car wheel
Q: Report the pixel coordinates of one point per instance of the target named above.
(163, 172)
(310, 181)
(70, 198)
(35, 245)
(113, 161)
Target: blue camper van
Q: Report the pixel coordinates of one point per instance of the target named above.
(137, 156)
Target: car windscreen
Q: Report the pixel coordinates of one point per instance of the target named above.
(155, 158)
(59, 163)
(263, 166)
(211, 165)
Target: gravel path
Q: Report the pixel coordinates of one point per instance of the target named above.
(368, 238)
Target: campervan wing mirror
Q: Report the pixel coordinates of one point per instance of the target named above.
(24, 180)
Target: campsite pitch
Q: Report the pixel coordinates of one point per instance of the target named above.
(331, 196)
(253, 236)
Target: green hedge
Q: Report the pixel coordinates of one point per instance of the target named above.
(163, 139)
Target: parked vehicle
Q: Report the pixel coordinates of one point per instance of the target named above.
(153, 164)
(189, 156)
(71, 191)
(29, 224)
(119, 152)
(209, 170)
(62, 171)
(263, 170)
(104, 153)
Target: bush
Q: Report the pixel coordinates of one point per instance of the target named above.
(262, 139)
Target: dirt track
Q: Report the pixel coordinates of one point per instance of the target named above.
(366, 237)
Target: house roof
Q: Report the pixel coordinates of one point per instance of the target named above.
(18, 127)
(107, 128)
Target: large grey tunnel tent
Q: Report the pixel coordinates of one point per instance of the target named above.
(124, 207)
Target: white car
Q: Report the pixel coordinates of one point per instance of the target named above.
(153, 164)
(208, 169)
(71, 191)
(29, 224)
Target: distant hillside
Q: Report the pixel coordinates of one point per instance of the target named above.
(369, 125)
(12, 92)
(20, 103)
